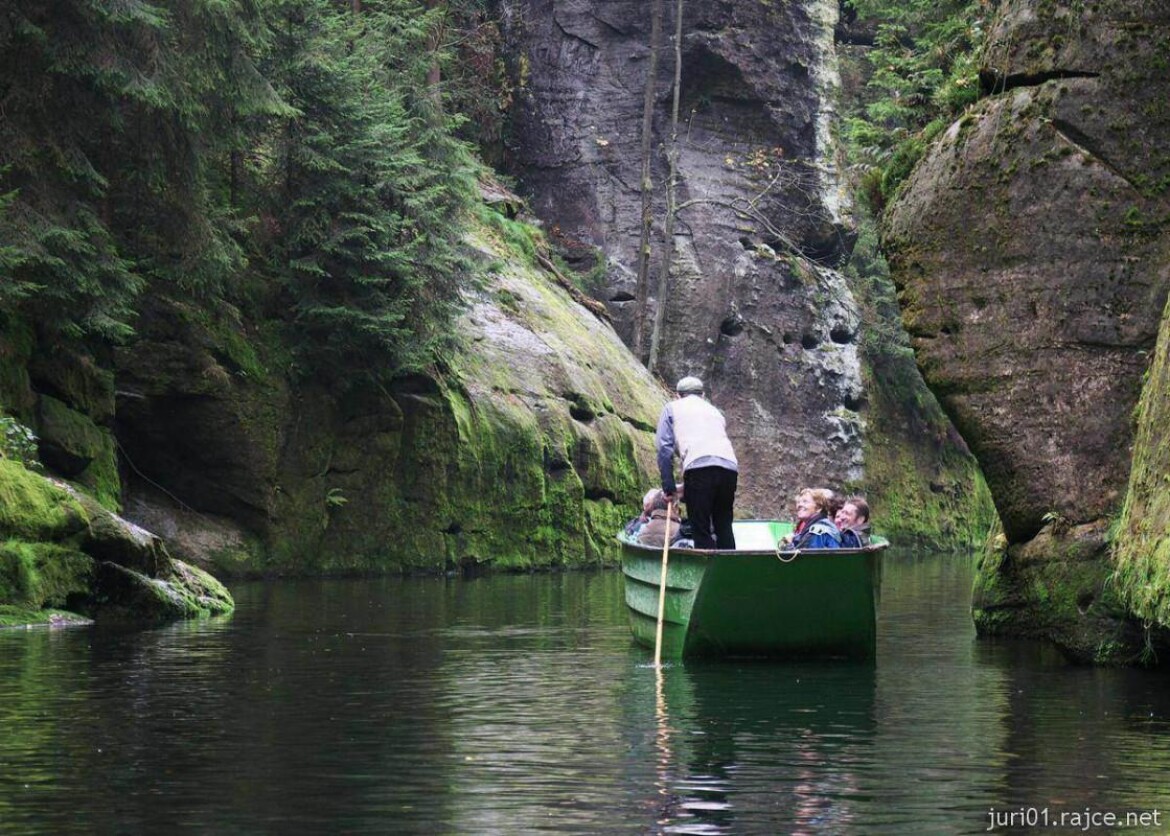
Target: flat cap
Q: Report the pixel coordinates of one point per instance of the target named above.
(689, 386)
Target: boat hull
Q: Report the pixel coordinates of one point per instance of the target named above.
(755, 601)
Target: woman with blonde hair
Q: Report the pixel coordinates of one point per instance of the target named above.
(814, 526)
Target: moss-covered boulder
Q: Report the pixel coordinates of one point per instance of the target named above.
(73, 446)
(34, 508)
(184, 592)
(44, 575)
(1029, 246)
(1058, 586)
(60, 549)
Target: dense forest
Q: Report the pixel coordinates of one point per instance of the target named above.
(299, 160)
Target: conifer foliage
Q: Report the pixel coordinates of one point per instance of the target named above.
(923, 73)
(194, 148)
(366, 184)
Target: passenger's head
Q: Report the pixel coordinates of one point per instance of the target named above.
(648, 499)
(855, 512)
(689, 385)
(812, 501)
(836, 500)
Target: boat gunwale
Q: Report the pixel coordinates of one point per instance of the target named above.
(623, 538)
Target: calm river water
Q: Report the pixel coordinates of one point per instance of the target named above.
(518, 704)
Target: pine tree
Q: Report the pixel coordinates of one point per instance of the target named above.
(114, 117)
(370, 188)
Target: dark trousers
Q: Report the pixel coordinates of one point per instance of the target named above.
(710, 496)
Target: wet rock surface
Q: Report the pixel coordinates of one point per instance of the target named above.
(754, 304)
(1030, 251)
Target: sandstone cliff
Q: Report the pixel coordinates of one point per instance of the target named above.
(755, 305)
(1030, 250)
(531, 448)
(755, 301)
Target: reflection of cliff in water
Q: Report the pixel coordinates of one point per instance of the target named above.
(762, 746)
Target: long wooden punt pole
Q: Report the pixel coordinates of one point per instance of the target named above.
(662, 590)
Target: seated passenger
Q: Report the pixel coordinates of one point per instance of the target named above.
(814, 529)
(834, 504)
(853, 521)
(635, 525)
(652, 532)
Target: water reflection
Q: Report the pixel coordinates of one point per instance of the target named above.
(521, 704)
(757, 746)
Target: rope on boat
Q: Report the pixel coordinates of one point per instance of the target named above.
(780, 555)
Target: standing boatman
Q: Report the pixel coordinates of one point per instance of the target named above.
(692, 428)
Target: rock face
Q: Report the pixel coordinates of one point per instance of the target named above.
(1030, 251)
(754, 305)
(530, 449)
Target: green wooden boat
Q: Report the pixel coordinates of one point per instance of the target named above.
(756, 600)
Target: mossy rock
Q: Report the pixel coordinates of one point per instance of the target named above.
(70, 441)
(34, 508)
(127, 595)
(14, 615)
(108, 537)
(43, 574)
(1058, 587)
(73, 446)
(76, 380)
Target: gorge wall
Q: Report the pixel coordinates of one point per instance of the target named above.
(1031, 253)
(755, 305)
(531, 448)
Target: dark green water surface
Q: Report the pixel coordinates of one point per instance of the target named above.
(518, 704)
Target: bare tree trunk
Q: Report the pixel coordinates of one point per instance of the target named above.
(647, 184)
(671, 185)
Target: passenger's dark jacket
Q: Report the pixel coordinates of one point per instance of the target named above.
(855, 538)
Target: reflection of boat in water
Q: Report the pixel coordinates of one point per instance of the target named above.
(764, 749)
(756, 600)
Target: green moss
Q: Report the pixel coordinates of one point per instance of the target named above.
(1141, 558)
(1058, 587)
(73, 445)
(77, 380)
(100, 479)
(521, 239)
(125, 594)
(22, 616)
(209, 595)
(33, 508)
(922, 484)
(42, 574)
(232, 346)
